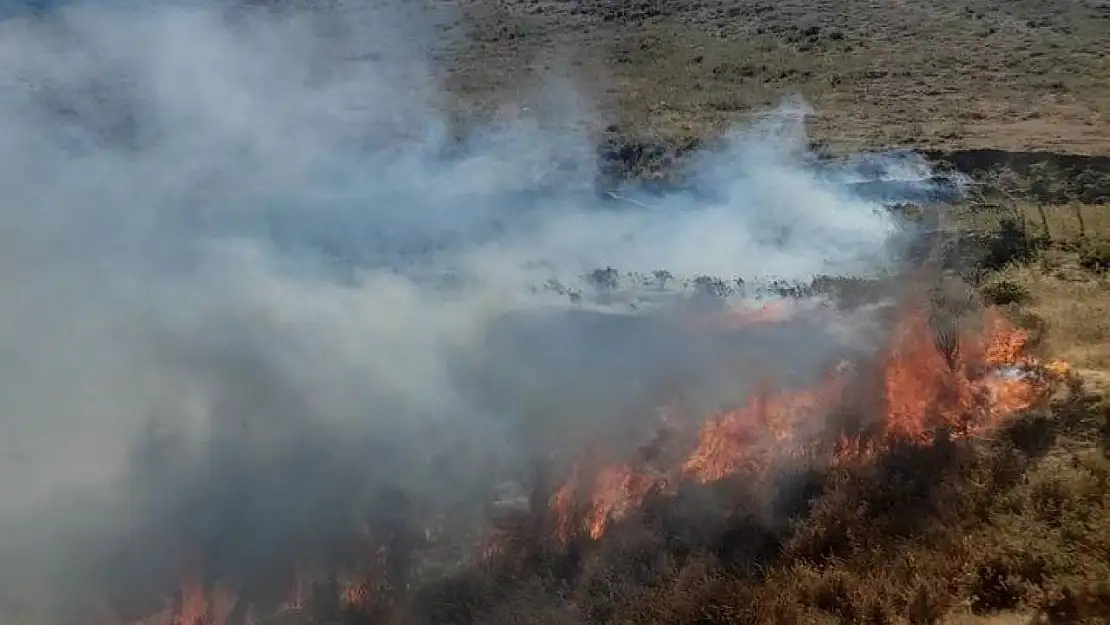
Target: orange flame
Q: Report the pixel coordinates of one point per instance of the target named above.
(965, 382)
(197, 607)
(356, 592)
(745, 438)
(618, 491)
(983, 378)
(990, 379)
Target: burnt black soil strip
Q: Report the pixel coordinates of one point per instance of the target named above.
(980, 161)
(661, 167)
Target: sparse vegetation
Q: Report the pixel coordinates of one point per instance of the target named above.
(1014, 75)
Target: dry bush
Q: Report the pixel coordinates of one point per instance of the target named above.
(1095, 257)
(1005, 293)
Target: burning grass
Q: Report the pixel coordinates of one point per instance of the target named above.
(900, 488)
(955, 474)
(962, 382)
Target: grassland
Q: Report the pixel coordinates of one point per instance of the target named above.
(969, 74)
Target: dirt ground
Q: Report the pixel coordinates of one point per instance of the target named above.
(1001, 74)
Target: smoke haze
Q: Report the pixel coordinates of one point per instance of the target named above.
(251, 279)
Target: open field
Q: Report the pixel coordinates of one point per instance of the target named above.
(997, 74)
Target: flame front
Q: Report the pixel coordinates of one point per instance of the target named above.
(963, 382)
(957, 380)
(988, 378)
(196, 605)
(745, 439)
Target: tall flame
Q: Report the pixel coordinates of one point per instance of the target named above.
(196, 605)
(954, 379)
(990, 377)
(745, 439)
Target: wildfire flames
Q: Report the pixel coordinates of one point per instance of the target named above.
(965, 382)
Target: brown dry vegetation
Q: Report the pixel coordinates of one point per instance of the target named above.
(1003, 74)
(1063, 284)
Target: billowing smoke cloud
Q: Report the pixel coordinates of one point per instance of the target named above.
(251, 279)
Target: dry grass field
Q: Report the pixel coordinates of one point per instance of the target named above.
(995, 74)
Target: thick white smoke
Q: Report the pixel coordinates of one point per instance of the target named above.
(248, 233)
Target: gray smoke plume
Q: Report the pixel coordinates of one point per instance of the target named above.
(251, 280)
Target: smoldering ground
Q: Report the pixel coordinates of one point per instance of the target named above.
(250, 282)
